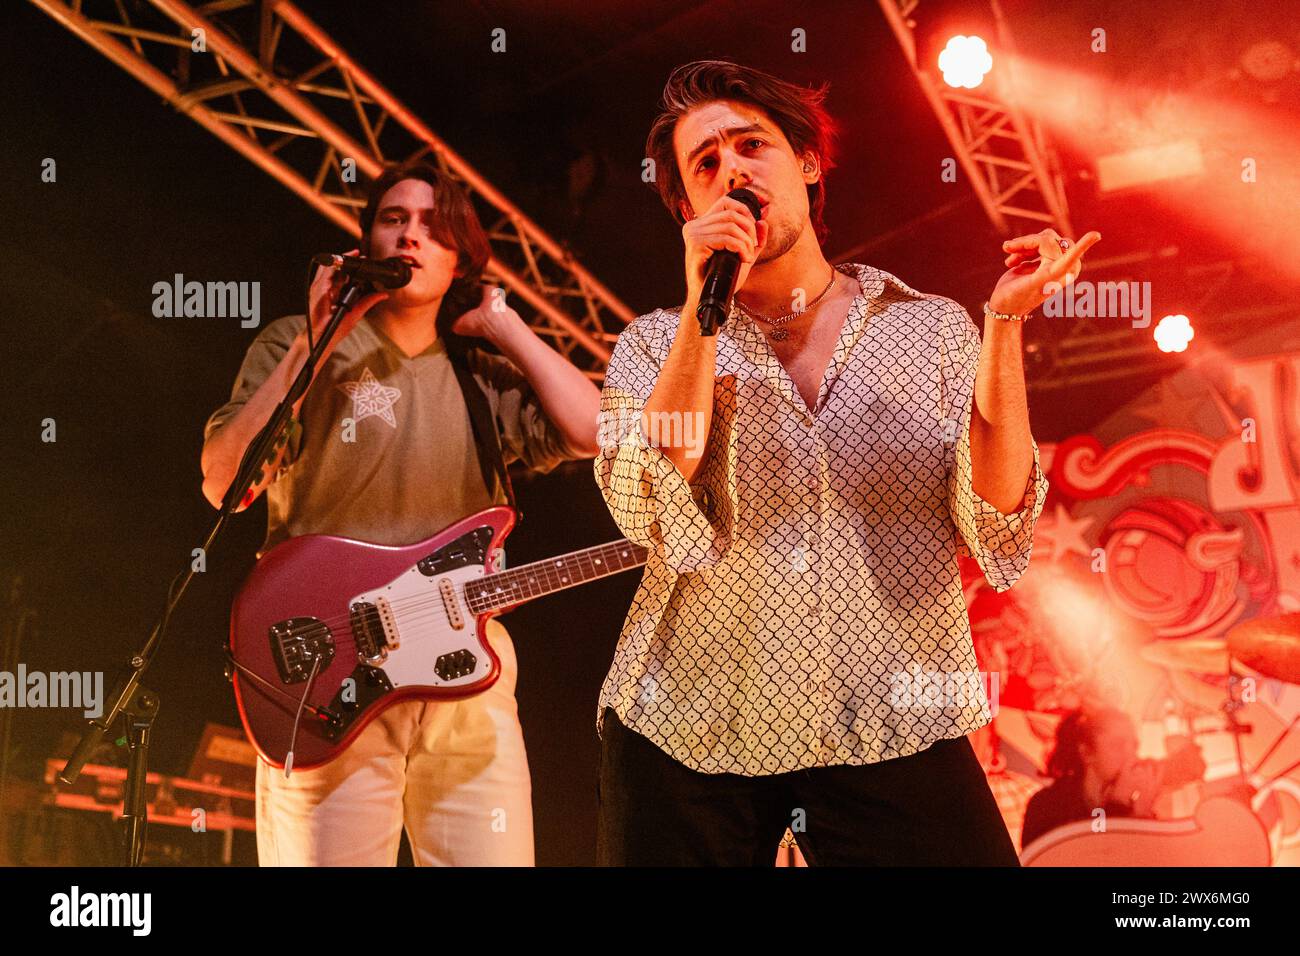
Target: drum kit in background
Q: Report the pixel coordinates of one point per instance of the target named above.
(1233, 805)
(1270, 647)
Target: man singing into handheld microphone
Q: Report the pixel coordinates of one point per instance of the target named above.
(803, 596)
(388, 452)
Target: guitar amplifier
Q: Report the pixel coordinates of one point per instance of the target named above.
(224, 756)
(204, 819)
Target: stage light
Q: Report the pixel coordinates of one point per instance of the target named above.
(964, 61)
(1246, 153)
(1173, 332)
(1150, 164)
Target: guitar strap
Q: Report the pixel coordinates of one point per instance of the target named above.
(486, 437)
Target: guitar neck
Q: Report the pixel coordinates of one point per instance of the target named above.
(516, 585)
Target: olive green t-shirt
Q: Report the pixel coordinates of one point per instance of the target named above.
(386, 451)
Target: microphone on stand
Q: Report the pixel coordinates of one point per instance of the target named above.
(385, 273)
(720, 279)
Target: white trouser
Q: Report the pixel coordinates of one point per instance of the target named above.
(454, 772)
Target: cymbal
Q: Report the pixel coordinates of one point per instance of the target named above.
(1270, 645)
(1195, 655)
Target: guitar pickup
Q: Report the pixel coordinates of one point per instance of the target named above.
(388, 621)
(448, 592)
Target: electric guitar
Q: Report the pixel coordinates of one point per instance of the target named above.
(327, 632)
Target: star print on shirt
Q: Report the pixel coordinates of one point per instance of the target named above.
(372, 397)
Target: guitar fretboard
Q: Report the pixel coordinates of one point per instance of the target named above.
(529, 581)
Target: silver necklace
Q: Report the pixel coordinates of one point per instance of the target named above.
(777, 332)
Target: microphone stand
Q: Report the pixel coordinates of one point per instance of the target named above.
(132, 701)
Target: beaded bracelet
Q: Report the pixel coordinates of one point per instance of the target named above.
(1004, 316)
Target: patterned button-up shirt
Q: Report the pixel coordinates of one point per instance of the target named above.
(802, 604)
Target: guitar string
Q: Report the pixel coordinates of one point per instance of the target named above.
(482, 602)
(594, 556)
(417, 613)
(547, 568)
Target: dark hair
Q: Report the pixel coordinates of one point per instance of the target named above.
(1078, 728)
(796, 110)
(455, 225)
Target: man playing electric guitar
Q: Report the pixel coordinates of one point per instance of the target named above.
(385, 451)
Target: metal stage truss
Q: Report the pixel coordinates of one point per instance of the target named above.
(271, 84)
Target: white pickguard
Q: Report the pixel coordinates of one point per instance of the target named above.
(425, 630)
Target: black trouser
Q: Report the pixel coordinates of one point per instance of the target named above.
(933, 808)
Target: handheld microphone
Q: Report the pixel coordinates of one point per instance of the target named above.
(720, 279)
(385, 273)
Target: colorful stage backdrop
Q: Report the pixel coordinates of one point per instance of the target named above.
(1178, 518)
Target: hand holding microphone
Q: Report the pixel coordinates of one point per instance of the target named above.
(327, 285)
(721, 247)
(390, 273)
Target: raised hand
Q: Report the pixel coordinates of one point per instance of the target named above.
(1037, 266)
(484, 321)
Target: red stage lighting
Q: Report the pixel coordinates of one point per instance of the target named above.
(965, 61)
(1173, 332)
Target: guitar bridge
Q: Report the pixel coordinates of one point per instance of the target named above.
(369, 633)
